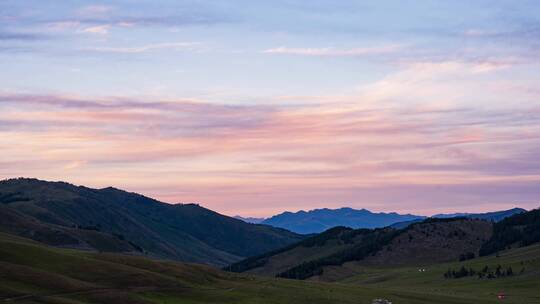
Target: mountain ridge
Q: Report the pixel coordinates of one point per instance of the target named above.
(319, 220)
(251, 220)
(186, 232)
(494, 216)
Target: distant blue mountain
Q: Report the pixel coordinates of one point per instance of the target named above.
(319, 220)
(490, 216)
(495, 216)
(252, 220)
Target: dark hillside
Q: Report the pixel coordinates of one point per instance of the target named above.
(183, 232)
(434, 241)
(516, 231)
(274, 259)
(14, 222)
(428, 242)
(495, 216)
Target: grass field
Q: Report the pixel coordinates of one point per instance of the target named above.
(519, 288)
(33, 273)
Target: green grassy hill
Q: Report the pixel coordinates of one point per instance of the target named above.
(521, 287)
(109, 219)
(34, 273)
(428, 242)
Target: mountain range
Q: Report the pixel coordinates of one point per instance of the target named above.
(113, 220)
(319, 220)
(251, 220)
(342, 252)
(494, 216)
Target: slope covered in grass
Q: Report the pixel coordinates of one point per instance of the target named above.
(521, 287)
(432, 241)
(33, 273)
(63, 214)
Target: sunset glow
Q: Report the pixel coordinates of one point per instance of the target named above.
(253, 110)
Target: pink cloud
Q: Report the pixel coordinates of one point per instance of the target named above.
(232, 157)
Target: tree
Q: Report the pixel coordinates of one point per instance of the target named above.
(498, 271)
(463, 272)
(509, 271)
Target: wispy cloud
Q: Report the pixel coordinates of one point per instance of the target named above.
(146, 48)
(335, 52)
(20, 36)
(94, 10)
(98, 29)
(354, 149)
(168, 21)
(385, 111)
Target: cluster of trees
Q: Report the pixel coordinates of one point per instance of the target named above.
(8, 198)
(345, 234)
(250, 263)
(261, 260)
(484, 273)
(303, 271)
(89, 227)
(372, 241)
(518, 230)
(320, 239)
(466, 256)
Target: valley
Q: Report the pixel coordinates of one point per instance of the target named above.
(61, 243)
(35, 273)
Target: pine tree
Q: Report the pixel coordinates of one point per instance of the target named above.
(509, 271)
(498, 271)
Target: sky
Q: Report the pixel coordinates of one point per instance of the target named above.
(257, 107)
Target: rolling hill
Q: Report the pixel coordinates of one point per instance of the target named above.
(113, 220)
(428, 242)
(319, 220)
(521, 287)
(341, 252)
(517, 231)
(32, 273)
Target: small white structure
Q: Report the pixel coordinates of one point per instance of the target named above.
(381, 301)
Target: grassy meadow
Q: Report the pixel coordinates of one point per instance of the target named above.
(33, 273)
